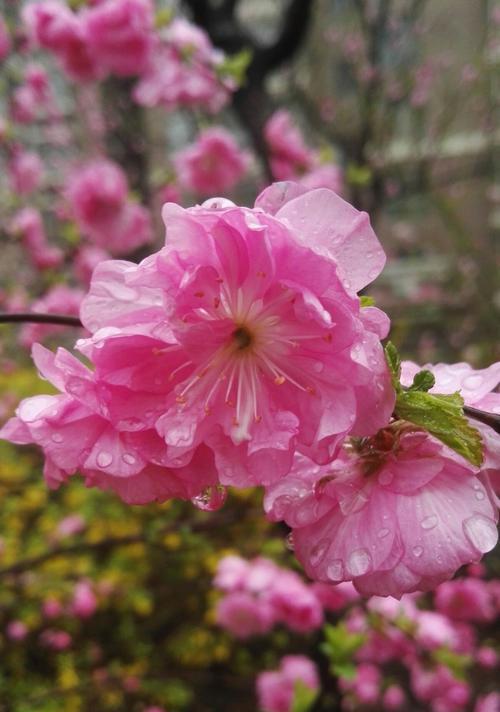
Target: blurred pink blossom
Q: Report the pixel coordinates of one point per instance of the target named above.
(276, 689)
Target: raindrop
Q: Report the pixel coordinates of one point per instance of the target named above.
(211, 499)
(385, 477)
(317, 553)
(481, 532)
(479, 495)
(335, 570)
(359, 562)
(104, 459)
(290, 545)
(418, 551)
(429, 522)
(57, 437)
(128, 458)
(383, 533)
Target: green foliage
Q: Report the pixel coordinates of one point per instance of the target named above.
(366, 301)
(235, 66)
(303, 697)
(339, 647)
(359, 175)
(442, 415)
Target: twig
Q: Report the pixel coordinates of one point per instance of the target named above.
(32, 317)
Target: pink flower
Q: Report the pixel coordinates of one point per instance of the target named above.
(263, 345)
(5, 43)
(53, 26)
(294, 603)
(84, 603)
(51, 608)
(25, 172)
(54, 639)
(97, 195)
(57, 300)
(276, 689)
(244, 615)
(490, 702)
(465, 599)
(214, 163)
(28, 224)
(71, 525)
(486, 657)
(400, 513)
(394, 698)
(365, 685)
(440, 688)
(119, 35)
(289, 156)
(110, 428)
(232, 572)
(183, 71)
(434, 631)
(16, 630)
(335, 597)
(97, 192)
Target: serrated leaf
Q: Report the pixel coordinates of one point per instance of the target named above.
(442, 416)
(394, 362)
(303, 697)
(422, 381)
(366, 301)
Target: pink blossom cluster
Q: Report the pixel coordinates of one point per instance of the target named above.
(97, 194)
(241, 355)
(33, 95)
(112, 37)
(259, 595)
(28, 225)
(291, 159)
(276, 689)
(184, 71)
(25, 171)
(213, 163)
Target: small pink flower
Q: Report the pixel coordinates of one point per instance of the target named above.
(25, 172)
(5, 43)
(183, 71)
(232, 573)
(365, 685)
(486, 657)
(28, 224)
(244, 615)
(16, 630)
(52, 608)
(434, 631)
(119, 35)
(86, 260)
(84, 602)
(335, 597)
(490, 702)
(289, 156)
(328, 175)
(465, 599)
(214, 163)
(394, 698)
(97, 192)
(402, 520)
(57, 640)
(294, 603)
(276, 689)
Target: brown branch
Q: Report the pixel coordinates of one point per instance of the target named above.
(32, 317)
(491, 419)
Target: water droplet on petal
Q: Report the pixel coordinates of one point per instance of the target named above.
(429, 522)
(418, 551)
(290, 545)
(104, 459)
(383, 533)
(481, 532)
(57, 437)
(211, 499)
(335, 570)
(359, 562)
(128, 458)
(479, 495)
(317, 553)
(385, 477)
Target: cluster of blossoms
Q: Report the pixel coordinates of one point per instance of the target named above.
(259, 594)
(437, 645)
(291, 159)
(240, 355)
(176, 66)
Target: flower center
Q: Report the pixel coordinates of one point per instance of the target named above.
(243, 338)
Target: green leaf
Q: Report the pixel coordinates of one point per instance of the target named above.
(358, 175)
(394, 362)
(366, 301)
(163, 17)
(303, 697)
(422, 381)
(443, 417)
(235, 66)
(345, 670)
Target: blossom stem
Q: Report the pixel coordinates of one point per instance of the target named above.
(26, 317)
(491, 419)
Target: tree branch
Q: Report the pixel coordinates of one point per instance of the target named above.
(32, 317)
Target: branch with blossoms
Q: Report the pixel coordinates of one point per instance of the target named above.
(240, 355)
